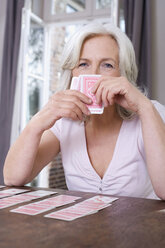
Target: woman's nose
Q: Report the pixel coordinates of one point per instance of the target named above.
(95, 70)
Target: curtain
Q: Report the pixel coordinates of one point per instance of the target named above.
(138, 28)
(9, 74)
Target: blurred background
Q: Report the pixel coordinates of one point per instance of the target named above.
(32, 37)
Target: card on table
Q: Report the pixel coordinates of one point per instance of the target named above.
(13, 200)
(22, 210)
(16, 199)
(85, 83)
(66, 217)
(102, 199)
(84, 208)
(41, 193)
(14, 191)
(2, 195)
(2, 186)
(46, 205)
(11, 191)
(70, 213)
(97, 202)
(60, 200)
(31, 209)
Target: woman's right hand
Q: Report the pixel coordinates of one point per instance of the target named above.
(69, 103)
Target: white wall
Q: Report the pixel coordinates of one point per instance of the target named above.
(158, 50)
(2, 25)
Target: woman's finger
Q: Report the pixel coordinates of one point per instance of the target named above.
(80, 95)
(73, 100)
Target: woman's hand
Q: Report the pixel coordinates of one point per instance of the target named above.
(35, 148)
(111, 90)
(69, 103)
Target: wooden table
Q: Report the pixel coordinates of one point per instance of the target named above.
(128, 223)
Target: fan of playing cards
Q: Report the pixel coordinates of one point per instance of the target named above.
(84, 84)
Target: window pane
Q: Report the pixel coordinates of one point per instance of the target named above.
(121, 16)
(36, 49)
(33, 97)
(68, 6)
(103, 4)
(59, 35)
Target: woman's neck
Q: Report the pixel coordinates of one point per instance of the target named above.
(109, 119)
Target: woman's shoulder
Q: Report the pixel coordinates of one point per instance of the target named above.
(160, 108)
(66, 124)
(158, 105)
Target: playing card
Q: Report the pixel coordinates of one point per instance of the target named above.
(92, 206)
(65, 214)
(41, 193)
(84, 83)
(13, 200)
(58, 201)
(87, 82)
(32, 209)
(102, 199)
(71, 213)
(11, 191)
(14, 191)
(2, 195)
(79, 209)
(22, 210)
(2, 186)
(46, 204)
(75, 84)
(97, 202)
(59, 216)
(84, 208)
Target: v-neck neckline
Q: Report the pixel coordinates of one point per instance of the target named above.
(110, 165)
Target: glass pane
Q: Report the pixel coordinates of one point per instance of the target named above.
(36, 49)
(68, 6)
(104, 4)
(59, 35)
(121, 17)
(33, 97)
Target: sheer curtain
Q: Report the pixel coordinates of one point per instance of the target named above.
(138, 28)
(8, 78)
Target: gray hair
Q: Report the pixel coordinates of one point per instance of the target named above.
(127, 60)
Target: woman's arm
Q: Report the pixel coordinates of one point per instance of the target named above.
(153, 129)
(37, 145)
(29, 154)
(111, 90)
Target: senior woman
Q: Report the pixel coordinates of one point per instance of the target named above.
(120, 152)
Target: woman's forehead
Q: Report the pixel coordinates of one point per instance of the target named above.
(100, 45)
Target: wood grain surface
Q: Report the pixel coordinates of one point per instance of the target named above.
(128, 223)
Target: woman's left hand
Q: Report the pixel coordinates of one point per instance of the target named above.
(111, 90)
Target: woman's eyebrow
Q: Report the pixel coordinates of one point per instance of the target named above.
(101, 59)
(111, 59)
(83, 59)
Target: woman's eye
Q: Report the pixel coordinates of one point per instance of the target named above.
(108, 65)
(82, 64)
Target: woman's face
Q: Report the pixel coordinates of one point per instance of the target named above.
(99, 55)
